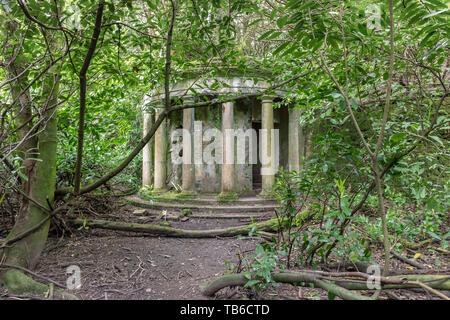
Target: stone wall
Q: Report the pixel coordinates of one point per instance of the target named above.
(208, 176)
(243, 172)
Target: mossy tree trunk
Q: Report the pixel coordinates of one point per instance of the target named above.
(39, 162)
(40, 186)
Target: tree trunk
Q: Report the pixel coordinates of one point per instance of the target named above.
(39, 186)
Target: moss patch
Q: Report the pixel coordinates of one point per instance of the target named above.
(268, 195)
(227, 197)
(17, 282)
(169, 196)
(186, 212)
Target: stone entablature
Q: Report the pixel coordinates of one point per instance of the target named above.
(212, 87)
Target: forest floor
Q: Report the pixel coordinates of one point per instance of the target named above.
(129, 265)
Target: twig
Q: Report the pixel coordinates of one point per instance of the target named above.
(428, 288)
(408, 261)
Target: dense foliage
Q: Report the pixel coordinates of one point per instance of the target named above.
(371, 79)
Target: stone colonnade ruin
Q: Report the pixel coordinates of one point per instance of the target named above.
(231, 147)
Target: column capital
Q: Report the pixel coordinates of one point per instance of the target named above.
(229, 102)
(147, 109)
(157, 105)
(188, 99)
(267, 98)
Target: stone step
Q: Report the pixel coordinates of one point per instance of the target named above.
(176, 215)
(237, 207)
(209, 200)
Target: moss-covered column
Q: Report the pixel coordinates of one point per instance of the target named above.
(294, 139)
(267, 156)
(227, 148)
(160, 154)
(147, 161)
(188, 174)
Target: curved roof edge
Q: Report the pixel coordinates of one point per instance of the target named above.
(221, 84)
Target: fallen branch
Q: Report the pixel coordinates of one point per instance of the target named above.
(407, 261)
(418, 245)
(413, 245)
(272, 224)
(441, 250)
(355, 275)
(428, 288)
(169, 231)
(441, 282)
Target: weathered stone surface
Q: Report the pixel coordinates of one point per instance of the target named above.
(228, 153)
(147, 151)
(239, 173)
(188, 168)
(160, 155)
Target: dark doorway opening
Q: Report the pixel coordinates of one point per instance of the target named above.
(256, 167)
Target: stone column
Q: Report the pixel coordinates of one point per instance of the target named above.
(160, 154)
(188, 174)
(306, 142)
(227, 148)
(294, 139)
(267, 155)
(147, 163)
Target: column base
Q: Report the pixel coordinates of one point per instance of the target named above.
(188, 195)
(148, 193)
(159, 191)
(268, 195)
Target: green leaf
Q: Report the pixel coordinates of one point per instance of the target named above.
(254, 22)
(22, 175)
(396, 138)
(434, 235)
(273, 13)
(281, 22)
(265, 35)
(437, 139)
(281, 48)
(435, 13)
(251, 283)
(274, 35)
(437, 3)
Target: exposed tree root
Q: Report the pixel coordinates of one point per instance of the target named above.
(289, 277)
(8, 266)
(441, 282)
(339, 287)
(267, 225)
(16, 282)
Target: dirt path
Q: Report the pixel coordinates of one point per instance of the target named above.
(130, 266)
(141, 267)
